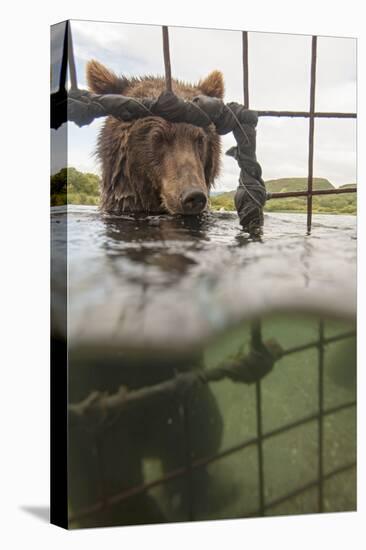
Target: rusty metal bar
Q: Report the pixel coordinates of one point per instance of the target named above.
(272, 433)
(311, 132)
(72, 68)
(167, 65)
(314, 344)
(310, 485)
(258, 400)
(321, 417)
(123, 399)
(188, 459)
(245, 69)
(256, 343)
(314, 192)
(305, 114)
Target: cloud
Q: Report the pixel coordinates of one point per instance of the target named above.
(279, 78)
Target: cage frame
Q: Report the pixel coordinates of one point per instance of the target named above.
(256, 334)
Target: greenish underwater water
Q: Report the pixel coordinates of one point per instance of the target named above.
(290, 459)
(150, 298)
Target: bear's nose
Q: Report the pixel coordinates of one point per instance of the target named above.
(193, 202)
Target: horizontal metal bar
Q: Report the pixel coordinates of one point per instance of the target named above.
(309, 485)
(308, 419)
(342, 191)
(316, 343)
(306, 114)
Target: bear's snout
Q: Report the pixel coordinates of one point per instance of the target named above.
(193, 202)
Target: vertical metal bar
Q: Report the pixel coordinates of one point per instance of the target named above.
(256, 341)
(168, 69)
(72, 69)
(245, 69)
(311, 132)
(100, 469)
(63, 69)
(256, 328)
(256, 334)
(188, 459)
(258, 394)
(321, 416)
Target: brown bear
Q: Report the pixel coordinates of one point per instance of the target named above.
(151, 165)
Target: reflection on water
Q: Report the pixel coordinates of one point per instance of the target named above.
(140, 278)
(152, 298)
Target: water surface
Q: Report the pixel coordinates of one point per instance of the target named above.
(171, 281)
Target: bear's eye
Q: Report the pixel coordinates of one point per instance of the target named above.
(158, 138)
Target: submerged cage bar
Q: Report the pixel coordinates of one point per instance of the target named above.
(321, 417)
(256, 328)
(256, 342)
(181, 472)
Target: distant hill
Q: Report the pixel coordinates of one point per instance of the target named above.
(283, 185)
(69, 186)
(347, 185)
(335, 204)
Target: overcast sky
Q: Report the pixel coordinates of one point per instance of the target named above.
(279, 78)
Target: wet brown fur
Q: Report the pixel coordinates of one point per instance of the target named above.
(148, 164)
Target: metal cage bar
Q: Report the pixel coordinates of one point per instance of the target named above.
(181, 472)
(188, 459)
(72, 67)
(321, 417)
(311, 115)
(256, 342)
(305, 114)
(256, 334)
(245, 69)
(167, 64)
(311, 132)
(256, 328)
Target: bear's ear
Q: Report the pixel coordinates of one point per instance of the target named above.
(213, 85)
(103, 81)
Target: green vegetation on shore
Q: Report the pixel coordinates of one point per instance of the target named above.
(69, 186)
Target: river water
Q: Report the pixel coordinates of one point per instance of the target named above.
(173, 281)
(175, 289)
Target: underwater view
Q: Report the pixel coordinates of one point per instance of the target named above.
(211, 375)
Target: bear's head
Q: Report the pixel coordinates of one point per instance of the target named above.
(177, 162)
